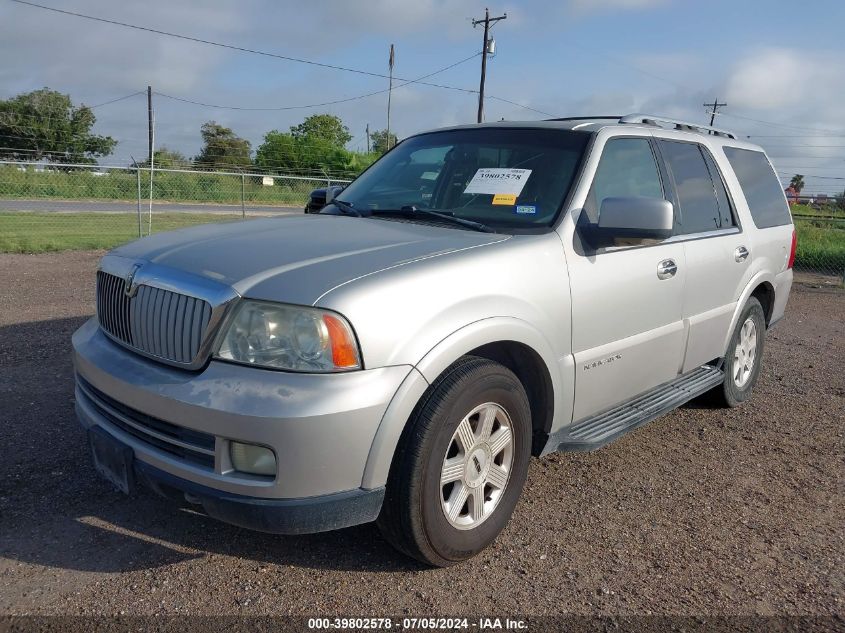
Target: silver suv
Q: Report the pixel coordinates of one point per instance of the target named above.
(480, 295)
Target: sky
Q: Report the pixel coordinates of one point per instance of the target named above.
(781, 72)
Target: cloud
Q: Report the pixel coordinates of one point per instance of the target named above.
(772, 78)
(546, 60)
(591, 6)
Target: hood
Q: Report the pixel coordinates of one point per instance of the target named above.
(296, 259)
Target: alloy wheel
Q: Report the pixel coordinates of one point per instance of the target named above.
(477, 466)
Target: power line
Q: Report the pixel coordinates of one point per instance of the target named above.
(803, 145)
(324, 103)
(795, 136)
(233, 47)
(40, 118)
(772, 123)
(105, 103)
(820, 177)
(521, 105)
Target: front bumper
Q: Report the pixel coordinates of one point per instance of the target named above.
(321, 427)
(277, 516)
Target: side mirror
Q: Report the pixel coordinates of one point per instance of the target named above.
(332, 192)
(635, 218)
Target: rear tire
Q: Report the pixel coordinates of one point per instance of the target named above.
(744, 357)
(460, 465)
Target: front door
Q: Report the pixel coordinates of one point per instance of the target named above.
(628, 333)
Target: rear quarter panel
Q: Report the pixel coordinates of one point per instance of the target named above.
(769, 246)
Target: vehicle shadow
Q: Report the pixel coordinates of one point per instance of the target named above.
(55, 511)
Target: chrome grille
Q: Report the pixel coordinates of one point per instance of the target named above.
(158, 322)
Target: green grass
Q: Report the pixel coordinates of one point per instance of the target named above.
(169, 186)
(43, 232)
(821, 243)
(821, 246)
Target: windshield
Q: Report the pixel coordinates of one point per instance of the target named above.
(504, 178)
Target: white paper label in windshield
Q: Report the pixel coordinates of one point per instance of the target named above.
(493, 180)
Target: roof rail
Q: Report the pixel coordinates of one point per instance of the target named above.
(648, 119)
(586, 118)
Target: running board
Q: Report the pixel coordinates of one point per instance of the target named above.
(603, 428)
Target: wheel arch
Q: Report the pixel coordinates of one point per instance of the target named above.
(534, 375)
(510, 341)
(760, 286)
(765, 294)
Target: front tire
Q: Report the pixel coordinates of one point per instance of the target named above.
(744, 356)
(460, 465)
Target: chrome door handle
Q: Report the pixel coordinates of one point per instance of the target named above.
(740, 254)
(666, 269)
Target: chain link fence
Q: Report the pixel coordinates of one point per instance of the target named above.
(64, 206)
(821, 239)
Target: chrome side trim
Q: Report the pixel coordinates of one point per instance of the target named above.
(688, 237)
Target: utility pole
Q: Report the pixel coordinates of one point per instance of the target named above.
(713, 107)
(389, 93)
(150, 122)
(151, 129)
(486, 48)
(368, 138)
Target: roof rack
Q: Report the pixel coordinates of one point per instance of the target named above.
(586, 118)
(648, 119)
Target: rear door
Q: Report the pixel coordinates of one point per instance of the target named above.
(717, 252)
(627, 329)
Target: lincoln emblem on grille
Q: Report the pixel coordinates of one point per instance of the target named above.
(131, 287)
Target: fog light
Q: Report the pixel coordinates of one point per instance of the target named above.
(249, 458)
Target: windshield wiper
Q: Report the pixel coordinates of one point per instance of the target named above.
(413, 210)
(345, 208)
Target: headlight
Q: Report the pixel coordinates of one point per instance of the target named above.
(289, 337)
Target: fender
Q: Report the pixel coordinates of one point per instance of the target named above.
(438, 359)
(756, 280)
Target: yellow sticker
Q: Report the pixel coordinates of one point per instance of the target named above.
(504, 198)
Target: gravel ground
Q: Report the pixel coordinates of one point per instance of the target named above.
(703, 511)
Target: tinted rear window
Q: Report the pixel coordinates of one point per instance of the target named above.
(761, 187)
(699, 210)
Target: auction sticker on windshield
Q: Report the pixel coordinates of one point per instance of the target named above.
(493, 180)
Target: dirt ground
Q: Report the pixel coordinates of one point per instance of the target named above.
(703, 511)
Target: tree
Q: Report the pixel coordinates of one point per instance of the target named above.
(167, 158)
(222, 147)
(279, 152)
(45, 125)
(379, 139)
(282, 152)
(322, 127)
(797, 182)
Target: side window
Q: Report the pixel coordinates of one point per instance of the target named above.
(760, 186)
(627, 168)
(699, 210)
(722, 198)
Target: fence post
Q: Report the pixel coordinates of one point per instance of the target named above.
(243, 195)
(138, 178)
(150, 227)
